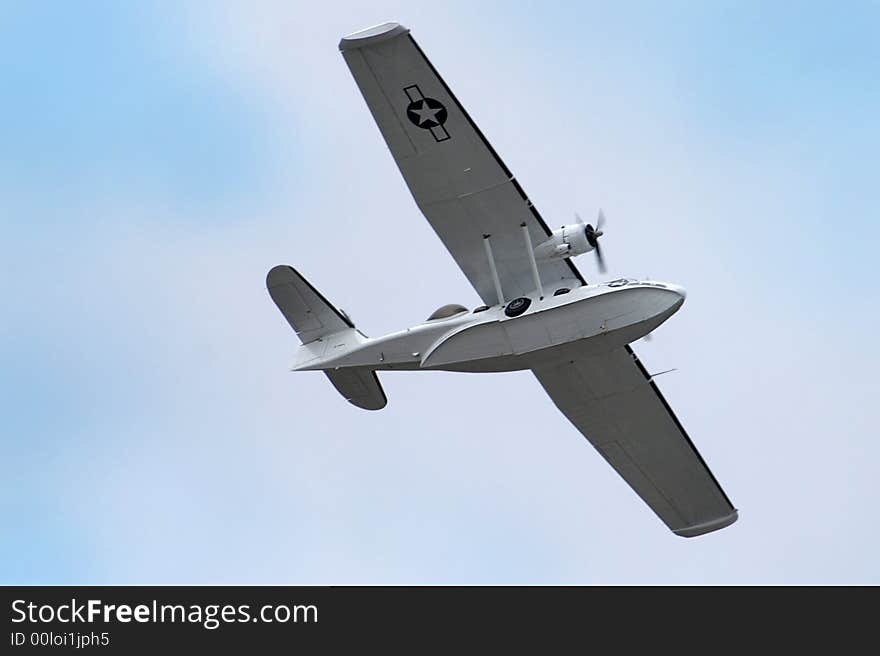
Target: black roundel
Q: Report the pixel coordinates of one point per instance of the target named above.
(426, 113)
(517, 306)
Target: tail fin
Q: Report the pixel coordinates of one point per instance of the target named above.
(306, 310)
(312, 317)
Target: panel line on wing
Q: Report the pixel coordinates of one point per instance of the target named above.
(480, 191)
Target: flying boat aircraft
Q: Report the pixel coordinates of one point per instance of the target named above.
(538, 312)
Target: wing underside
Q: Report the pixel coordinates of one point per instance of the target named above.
(456, 178)
(614, 403)
(466, 192)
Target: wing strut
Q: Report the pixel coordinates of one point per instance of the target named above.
(531, 251)
(493, 269)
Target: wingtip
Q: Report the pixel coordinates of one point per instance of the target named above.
(707, 527)
(371, 36)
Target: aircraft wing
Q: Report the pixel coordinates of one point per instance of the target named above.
(456, 177)
(613, 402)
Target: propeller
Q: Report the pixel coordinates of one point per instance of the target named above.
(593, 235)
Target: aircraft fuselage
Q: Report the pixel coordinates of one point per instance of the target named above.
(599, 317)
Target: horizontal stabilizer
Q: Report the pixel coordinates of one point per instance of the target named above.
(306, 310)
(360, 386)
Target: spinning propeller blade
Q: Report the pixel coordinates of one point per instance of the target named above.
(593, 235)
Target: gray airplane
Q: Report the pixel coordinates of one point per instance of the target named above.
(538, 312)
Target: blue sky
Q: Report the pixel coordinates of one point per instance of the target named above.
(160, 157)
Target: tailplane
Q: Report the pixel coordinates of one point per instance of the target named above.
(313, 318)
(309, 314)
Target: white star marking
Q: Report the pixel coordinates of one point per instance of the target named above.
(426, 114)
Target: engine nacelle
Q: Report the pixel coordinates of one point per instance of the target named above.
(568, 241)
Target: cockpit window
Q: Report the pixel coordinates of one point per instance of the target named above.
(447, 311)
